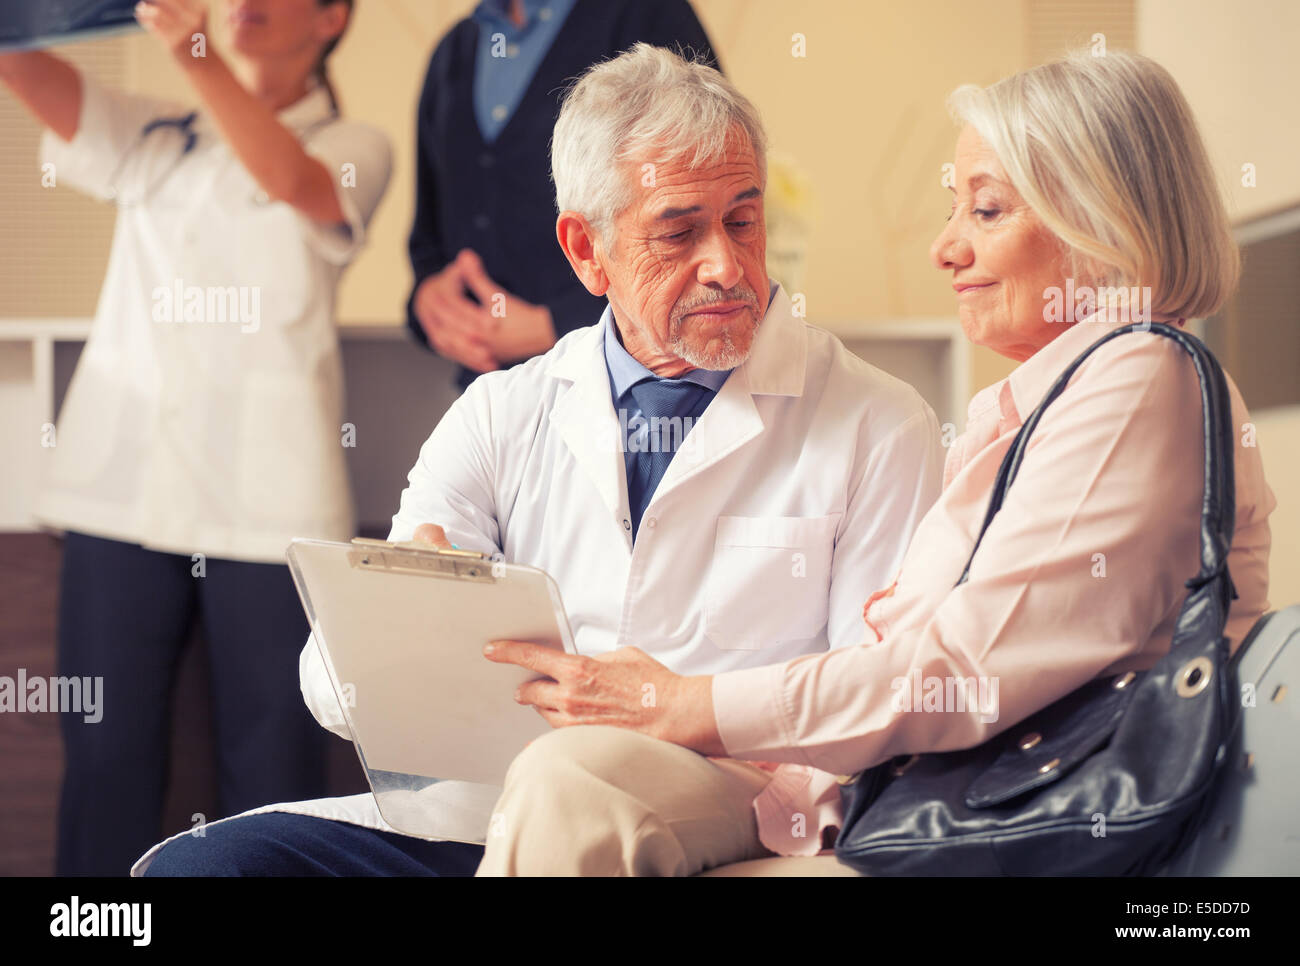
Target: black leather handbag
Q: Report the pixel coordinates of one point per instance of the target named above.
(1114, 779)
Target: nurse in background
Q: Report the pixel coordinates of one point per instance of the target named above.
(203, 427)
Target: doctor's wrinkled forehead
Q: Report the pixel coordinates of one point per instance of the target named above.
(649, 104)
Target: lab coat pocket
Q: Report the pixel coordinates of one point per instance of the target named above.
(769, 580)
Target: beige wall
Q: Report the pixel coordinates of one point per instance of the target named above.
(1278, 433)
(1237, 64)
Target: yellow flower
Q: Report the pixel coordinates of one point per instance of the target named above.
(788, 189)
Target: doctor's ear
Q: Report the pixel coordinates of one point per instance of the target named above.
(578, 240)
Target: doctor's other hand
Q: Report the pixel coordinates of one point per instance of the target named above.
(456, 325)
(433, 535)
(625, 688)
(519, 329)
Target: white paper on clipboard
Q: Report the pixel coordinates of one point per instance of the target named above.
(401, 631)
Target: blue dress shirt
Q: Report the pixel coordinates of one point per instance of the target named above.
(500, 81)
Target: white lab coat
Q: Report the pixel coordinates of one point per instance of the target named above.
(792, 499)
(209, 423)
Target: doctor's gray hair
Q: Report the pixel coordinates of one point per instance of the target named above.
(648, 104)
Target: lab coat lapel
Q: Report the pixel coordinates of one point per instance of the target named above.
(775, 366)
(584, 416)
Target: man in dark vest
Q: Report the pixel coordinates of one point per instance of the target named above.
(492, 287)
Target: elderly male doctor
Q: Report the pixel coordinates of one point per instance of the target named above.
(799, 478)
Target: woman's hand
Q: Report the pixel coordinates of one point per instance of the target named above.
(626, 688)
(174, 23)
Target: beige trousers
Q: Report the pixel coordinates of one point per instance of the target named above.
(597, 800)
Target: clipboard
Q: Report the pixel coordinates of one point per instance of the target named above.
(401, 629)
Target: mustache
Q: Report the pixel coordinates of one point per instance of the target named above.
(741, 293)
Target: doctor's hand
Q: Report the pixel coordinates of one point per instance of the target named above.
(433, 535)
(626, 688)
(519, 329)
(456, 325)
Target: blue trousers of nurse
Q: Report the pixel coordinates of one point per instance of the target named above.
(125, 614)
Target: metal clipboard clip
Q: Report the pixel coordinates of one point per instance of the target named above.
(420, 559)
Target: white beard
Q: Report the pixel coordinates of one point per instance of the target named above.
(719, 355)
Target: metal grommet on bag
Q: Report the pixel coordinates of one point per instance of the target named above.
(1193, 677)
(1030, 740)
(847, 779)
(1124, 680)
(1049, 766)
(901, 766)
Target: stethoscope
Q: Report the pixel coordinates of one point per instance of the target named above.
(184, 126)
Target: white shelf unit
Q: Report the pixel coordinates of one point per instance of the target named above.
(397, 392)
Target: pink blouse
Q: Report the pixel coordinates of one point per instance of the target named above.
(1080, 575)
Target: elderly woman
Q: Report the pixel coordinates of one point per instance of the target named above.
(1077, 178)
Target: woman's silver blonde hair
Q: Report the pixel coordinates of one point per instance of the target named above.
(648, 104)
(1106, 152)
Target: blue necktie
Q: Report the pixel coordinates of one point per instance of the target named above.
(675, 404)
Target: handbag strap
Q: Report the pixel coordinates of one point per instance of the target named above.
(1211, 589)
